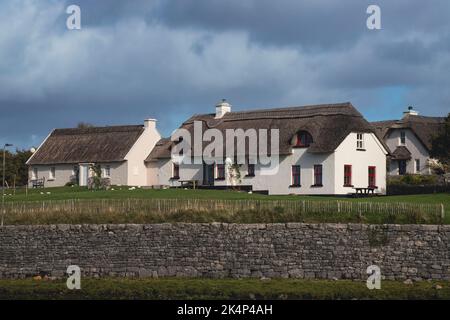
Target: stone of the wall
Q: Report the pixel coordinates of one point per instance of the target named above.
(342, 251)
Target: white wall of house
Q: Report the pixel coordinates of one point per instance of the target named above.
(136, 169)
(373, 155)
(62, 175)
(64, 172)
(417, 149)
(281, 182)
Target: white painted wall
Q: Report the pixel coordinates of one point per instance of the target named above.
(137, 174)
(280, 183)
(63, 173)
(417, 149)
(374, 155)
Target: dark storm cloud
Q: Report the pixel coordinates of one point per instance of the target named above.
(169, 59)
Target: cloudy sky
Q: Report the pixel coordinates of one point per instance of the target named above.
(170, 59)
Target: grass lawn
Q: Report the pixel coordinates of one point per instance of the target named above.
(63, 193)
(136, 215)
(178, 288)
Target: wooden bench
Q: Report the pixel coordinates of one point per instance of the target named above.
(38, 183)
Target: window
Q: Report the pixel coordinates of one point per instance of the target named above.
(295, 176)
(220, 172)
(372, 176)
(251, 170)
(348, 175)
(360, 141)
(34, 174)
(175, 171)
(318, 175)
(417, 165)
(303, 139)
(52, 173)
(107, 171)
(402, 137)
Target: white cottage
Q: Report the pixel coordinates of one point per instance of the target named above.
(66, 155)
(323, 149)
(409, 141)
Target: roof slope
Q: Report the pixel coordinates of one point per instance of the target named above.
(328, 124)
(401, 153)
(96, 144)
(423, 127)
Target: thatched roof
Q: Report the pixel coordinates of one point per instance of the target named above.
(425, 128)
(328, 125)
(96, 144)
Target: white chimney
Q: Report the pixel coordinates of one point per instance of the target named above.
(221, 108)
(410, 112)
(150, 123)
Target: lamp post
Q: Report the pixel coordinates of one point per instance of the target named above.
(6, 145)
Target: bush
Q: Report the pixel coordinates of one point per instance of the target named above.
(413, 179)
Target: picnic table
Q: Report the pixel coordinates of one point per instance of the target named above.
(365, 190)
(192, 183)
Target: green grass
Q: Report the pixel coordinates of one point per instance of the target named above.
(63, 193)
(180, 288)
(249, 216)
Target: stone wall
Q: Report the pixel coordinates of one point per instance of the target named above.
(342, 251)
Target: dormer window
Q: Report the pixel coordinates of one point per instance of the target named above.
(302, 139)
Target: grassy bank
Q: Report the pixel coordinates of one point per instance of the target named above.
(176, 288)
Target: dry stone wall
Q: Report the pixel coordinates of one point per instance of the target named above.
(321, 251)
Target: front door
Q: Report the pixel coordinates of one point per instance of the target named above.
(208, 174)
(84, 174)
(401, 167)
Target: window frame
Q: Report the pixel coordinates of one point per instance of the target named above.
(34, 173)
(348, 175)
(250, 173)
(318, 175)
(175, 171)
(52, 174)
(417, 165)
(402, 137)
(307, 139)
(220, 171)
(360, 145)
(107, 171)
(372, 176)
(296, 174)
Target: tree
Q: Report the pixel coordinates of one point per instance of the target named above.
(440, 145)
(16, 170)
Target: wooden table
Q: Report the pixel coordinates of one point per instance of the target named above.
(365, 190)
(194, 183)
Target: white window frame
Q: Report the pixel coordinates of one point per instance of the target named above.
(360, 141)
(52, 173)
(34, 173)
(107, 171)
(416, 162)
(402, 132)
